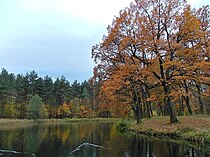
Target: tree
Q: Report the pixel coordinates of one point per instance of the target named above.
(11, 111)
(22, 94)
(32, 80)
(48, 88)
(167, 40)
(36, 108)
(7, 89)
(76, 93)
(61, 88)
(39, 86)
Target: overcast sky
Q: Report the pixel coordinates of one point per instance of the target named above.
(54, 37)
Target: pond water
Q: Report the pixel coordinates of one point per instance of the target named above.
(96, 139)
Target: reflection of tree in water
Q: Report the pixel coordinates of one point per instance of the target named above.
(23, 140)
(34, 137)
(7, 138)
(55, 141)
(62, 138)
(142, 147)
(191, 152)
(173, 149)
(58, 140)
(145, 147)
(139, 147)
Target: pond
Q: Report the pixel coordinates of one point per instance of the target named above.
(95, 139)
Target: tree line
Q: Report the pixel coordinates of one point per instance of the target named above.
(155, 60)
(31, 96)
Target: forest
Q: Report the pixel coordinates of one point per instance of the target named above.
(31, 96)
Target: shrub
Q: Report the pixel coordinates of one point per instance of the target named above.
(122, 125)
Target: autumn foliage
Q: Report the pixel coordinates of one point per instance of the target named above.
(155, 57)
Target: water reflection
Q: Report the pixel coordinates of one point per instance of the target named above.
(86, 140)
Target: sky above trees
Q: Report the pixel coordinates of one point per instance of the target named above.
(54, 37)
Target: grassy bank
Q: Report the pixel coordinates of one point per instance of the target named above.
(190, 128)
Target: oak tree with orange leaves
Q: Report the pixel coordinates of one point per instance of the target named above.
(166, 44)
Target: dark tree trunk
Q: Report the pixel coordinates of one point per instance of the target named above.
(148, 109)
(161, 111)
(167, 91)
(181, 107)
(171, 108)
(138, 116)
(165, 110)
(147, 105)
(150, 113)
(136, 106)
(169, 104)
(187, 101)
(137, 113)
(200, 98)
(186, 98)
(147, 95)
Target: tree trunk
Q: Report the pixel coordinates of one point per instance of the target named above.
(147, 106)
(181, 107)
(169, 104)
(151, 112)
(171, 108)
(167, 91)
(186, 98)
(138, 116)
(187, 101)
(165, 110)
(200, 98)
(137, 113)
(149, 109)
(161, 111)
(136, 106)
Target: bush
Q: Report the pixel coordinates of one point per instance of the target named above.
(122, 125)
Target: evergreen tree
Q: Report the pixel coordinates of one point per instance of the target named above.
(48, 89)
(32, 80)
(22, 94)
(61, 88)
(7, 89)
(39, 86)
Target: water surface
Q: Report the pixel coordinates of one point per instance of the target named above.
(96, 139)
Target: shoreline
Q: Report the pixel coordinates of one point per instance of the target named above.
(191, 129)
(23, 123)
